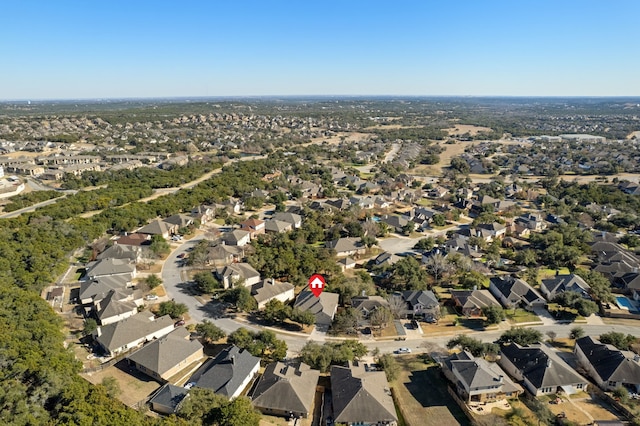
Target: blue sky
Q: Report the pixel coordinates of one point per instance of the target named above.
(113, 49)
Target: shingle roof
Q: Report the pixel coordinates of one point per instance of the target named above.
(118, 334)
(169, 396)
(274, 225)
(157, 227)
(426, 298)
(102, 285)
(474, 298)
(243, 270)
(562, 283)
(163, 354)
(225, 373)
(269, 288)
(323, 307)
(114, 303)
(515, 289)
(109, 267)
(286, 387)
(610, 363)
(345, 244)
(477, 373)
(118, 251)
(361, 396)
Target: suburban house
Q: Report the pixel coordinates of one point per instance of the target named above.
(540, 369)
(277, 226)
(286, 390)
(203, 213)
(179, 220)
(346, 263)
(512, 292)
(235, 273)
(167, 399)
(131, 332)
(552, 287)
(491, 231)
(397, 223)
(116, 305)
(254, 227)
(361, 397)
(109, 267)
(478, 381)
(346, 246)
(124, 252)
(101, 286)
(385, 259)
(367, 304)
(165, 357)
(135, 240)
(292, 218)
(531, 221)
(159, 227)
(471, 302)
(323, 307)
(237, 237)
(270, 289)
(610, 367)
(223, 255)
(229, 373)
(421, 304)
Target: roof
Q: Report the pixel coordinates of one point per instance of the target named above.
(541, 365)
(252, 223)
(342, 245)
(323, 307)
(515, 289)
(361, 396)
(291, 218)
(610, 363)
(180, 220)
(477, 373)
(225, 373)
(274, 225)
(169, 396)
(163, 354)
(426, 298)
(562, 283)
(138, 326)
(157, 227)
(235, 235)
(368, 303)
(474, 298)
(244, 270)
(118, 251)
(133, 240)
(102, 285)
(286, 387)
(114, 303)
(268, 289)
(109, 267)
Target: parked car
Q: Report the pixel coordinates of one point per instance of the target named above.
(403, 351)
(151, 297)
(179, 323)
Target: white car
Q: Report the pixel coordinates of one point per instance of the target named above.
(152, 297)
(403, 351)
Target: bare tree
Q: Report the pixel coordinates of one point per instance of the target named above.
(397, 306)
(380, 317)
(437, 265)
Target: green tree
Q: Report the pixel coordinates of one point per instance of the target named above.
(493, 314)
(474, 346)
(90, 325)
(263, 344)
(600, 286)
(425, 244)
(439, 220)
(521, 336)
(274, 310)
(112, 386)
(237, 412)
(209, 331)
(389, 365)
(322, 356)
(153, 281)
(173, 309)
(619, 340)
(302, 317)
(576, 333)
(159, 246)
(206, 283)
(346, 321)
(241, 297)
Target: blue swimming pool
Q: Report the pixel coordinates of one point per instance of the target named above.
(625, 303)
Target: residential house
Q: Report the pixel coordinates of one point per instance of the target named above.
(367, 304)
(385, 259)
(270, 289)
(255, 227)
(421, 303)
(125, 252)
(532, 221)
(102, 285)
(165, 357)
(223, 255)
(180, 220)
(610, 367)
(203, 213)
(235, 273)
(159, 227)
(324, 307)
(346, 263)
(229, 373)
(292, 218)
(109, 267)
(397, 223)
(135, 240)
(460, 244)
(286, 390)
(168, 398)
(341, 204)
(512, 292)
(437, 192)
(116, 305)
(277, 226)
(540, 369)
(552, 287)
(349, 246)
(491, 231)
(361, 397)
(477, 381)
(237, 237)
(131, 332)
(471, 302)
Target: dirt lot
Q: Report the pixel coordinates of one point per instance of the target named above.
(460, 129)
(134, 385)
(422, 397)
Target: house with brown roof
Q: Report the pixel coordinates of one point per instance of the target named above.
(286, 390)
(255, 227)
(471, 302)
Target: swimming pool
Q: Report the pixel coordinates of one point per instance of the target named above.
(625, 303)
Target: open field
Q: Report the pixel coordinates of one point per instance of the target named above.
(421, 394)
(461, 129)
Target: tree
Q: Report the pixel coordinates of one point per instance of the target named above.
(112, 386)
(619, 340)
(263, 344)
(576, 333)
(173, 309)
(552, 335)
(397, 306)
(474, 346)
(153, 281)
(493, 314)
(425, 244)
(241, 297)
(380, 317)
(437, 265)
(209, 331)
(526, 257)
(206, 283)
(408, 228)
(621, 393)
(237, 412)
(600, 286)
(90, 325)
(159, 246)
(389, 365)
(521, 336)
(346, 321)
(274, 310)
(302, 317)
(439, 220)
(322, 356)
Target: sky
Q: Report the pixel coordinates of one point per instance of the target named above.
(137, 49)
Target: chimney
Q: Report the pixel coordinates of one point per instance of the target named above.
(99, 331)
(500, 378)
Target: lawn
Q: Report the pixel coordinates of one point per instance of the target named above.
(421, 395)
(134, 386)
(562, 313)
(521, 316)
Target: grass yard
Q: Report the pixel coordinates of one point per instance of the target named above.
(521, 316)
(421, 395)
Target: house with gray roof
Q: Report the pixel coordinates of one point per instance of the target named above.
(229, 373)
(159, 227)
(231, 274)
(237, 237)
(286, 390)
(107, 267)
(367, 304)
(512, 291)
(116, 305)
(223, 255)
(471, 302)
(421, 303)
(294, 219)
(270, 289)
(122, 336)
(180, 220)
(610, 367)
(361, 397)
(277, 226)
(101, 286)
(552, 287)
(125, 252)
(165, 357)
(167, 399)
(477, 381)
(346, 246)
(540, 369)
(324, 307)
